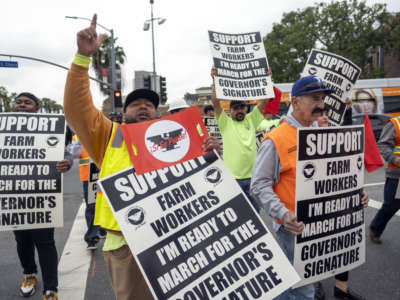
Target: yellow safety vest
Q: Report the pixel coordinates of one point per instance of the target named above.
(116, 158)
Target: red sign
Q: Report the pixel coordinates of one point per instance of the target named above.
(165, 142)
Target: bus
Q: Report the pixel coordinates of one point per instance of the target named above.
(372, 96)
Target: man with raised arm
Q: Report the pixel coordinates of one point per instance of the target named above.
(104, 143)
(239, 138)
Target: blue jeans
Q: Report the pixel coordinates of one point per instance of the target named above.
(43, 241)
(245, 185)
(389, 207)
(91, 233)
(305, 292)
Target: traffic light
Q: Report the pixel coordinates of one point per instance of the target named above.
(147, 82)
(163, 90)
(118, 79)
(117, 99)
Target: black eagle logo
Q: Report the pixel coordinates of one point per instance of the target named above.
(166, 141)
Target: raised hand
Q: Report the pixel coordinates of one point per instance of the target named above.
(87, 39)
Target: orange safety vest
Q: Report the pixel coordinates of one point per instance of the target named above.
(396, 150)
(284, 138)
(84, 161)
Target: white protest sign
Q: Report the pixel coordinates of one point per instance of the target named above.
(30, 186)
(212, 128)
(259, 137)
(329, 179)
(242, 67)
(339, 74)
(195, 235)
(92, 182)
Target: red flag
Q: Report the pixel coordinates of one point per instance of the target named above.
(272, 106)
(372, 158)
(165, 142)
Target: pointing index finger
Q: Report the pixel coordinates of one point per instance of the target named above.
(93, 23)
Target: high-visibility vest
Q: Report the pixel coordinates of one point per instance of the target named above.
(396, 150)
(284, 138)
(84, 161)
(116, 158)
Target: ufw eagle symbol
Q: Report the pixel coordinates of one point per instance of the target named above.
(168, 140)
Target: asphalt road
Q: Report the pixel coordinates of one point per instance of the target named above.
(83, 274)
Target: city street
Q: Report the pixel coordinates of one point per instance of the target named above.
(83, 275)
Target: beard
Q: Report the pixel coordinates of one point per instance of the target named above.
(130, 120)
(239, 117)
(140, 116)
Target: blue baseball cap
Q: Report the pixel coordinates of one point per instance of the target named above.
(310, 84)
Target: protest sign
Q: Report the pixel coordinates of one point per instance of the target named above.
(212, 128)
(30, 186)
(92, 182)
(164, 142)
(338, 74)
(195, 235)
(259, 138)
(241, 65)
(329, 178)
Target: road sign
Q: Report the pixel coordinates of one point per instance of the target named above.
(8, 64)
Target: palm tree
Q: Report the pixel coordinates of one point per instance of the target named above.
(6, 100)
(102, 59)
(48, 105)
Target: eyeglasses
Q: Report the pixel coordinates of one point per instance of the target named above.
(313, 86)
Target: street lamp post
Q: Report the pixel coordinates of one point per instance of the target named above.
(145, 28)
(113, 77)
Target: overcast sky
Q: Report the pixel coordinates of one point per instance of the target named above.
(39, 29)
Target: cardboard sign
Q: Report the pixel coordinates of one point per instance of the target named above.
(195, 235)
(242, 67)
(167, 141)
(339, 74)
(329, 179)
(94, 173)
(30, 185)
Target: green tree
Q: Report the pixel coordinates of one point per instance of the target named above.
(6, 100)
(48, 105)
(349, 28)
(391, 30)
(102, 58)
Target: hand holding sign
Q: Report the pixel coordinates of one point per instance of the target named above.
(364, 199)
(291, 225)
(87, 39)
(211, 143)
(63, 166)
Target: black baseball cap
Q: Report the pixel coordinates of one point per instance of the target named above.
(236, 103)
(142, 94)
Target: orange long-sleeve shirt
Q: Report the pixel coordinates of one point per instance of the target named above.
(91, 126)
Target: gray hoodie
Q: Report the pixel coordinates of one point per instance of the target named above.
(386, 147)
(266, 174)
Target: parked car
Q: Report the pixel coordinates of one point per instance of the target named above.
(377, 122)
